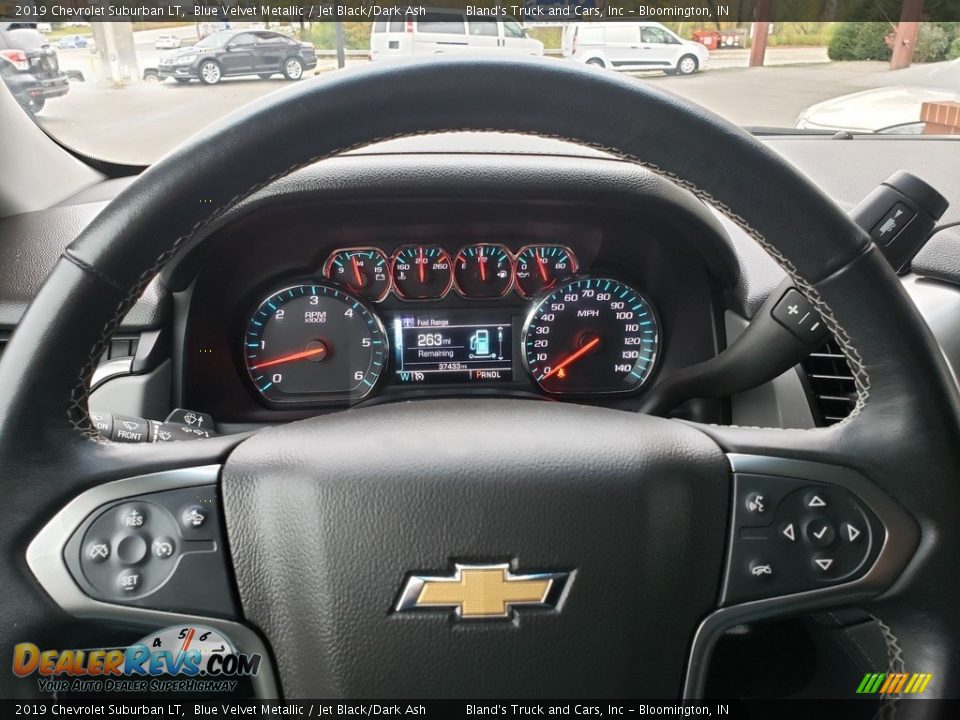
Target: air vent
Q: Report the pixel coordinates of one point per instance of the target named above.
(832, 390)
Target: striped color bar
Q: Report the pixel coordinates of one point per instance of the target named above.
(894, 683)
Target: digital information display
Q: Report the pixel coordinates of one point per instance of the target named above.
(452, 347)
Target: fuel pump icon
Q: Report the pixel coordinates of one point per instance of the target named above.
(480, 344)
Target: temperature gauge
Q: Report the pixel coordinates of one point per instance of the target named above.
(422, 272)
(483, 271)
(540, 267)
(364, 271)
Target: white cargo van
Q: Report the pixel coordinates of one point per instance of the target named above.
(633, 46)
(444, 31)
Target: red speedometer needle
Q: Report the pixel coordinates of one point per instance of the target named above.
(313, 352)
(422, 270)
(572, 358)
(356, 272)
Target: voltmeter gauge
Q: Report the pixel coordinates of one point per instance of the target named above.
(363, 271)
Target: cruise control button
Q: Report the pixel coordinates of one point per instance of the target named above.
(132, 517)
(129, 581)
(97, 551)
(163, 548)
(852, 532)
(821, 533)
(194, 517)
(131, 549)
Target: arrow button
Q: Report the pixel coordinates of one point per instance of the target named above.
(852, 533)
(815, 501)
(823, 563)
(790, 533)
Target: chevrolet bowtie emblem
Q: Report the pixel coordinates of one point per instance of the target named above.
(483, 591)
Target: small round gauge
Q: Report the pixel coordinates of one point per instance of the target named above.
(483, 271)
(422, 272)
(314, 343)
(363, 271)
(540, 267)
(593, 335)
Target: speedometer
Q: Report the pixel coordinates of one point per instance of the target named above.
(594, 335)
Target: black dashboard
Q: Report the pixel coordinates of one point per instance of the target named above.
(303, 307)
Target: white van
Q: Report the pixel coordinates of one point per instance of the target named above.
(633, 46)
(444, 31)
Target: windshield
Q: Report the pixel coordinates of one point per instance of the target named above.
(130, 92)
(211, 41)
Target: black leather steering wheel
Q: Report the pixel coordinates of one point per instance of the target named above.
(636, 508)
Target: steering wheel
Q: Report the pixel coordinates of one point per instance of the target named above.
(635, 526)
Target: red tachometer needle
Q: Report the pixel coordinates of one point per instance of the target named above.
(356, 272)
(422, 270)
(313, 352)
(542, 267)
(572, 358)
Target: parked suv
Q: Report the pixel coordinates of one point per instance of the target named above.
(29, 66)
(231, 53)
(445, 31)
(633, 46)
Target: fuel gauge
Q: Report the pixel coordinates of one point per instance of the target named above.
(483, 271)
(364, 271)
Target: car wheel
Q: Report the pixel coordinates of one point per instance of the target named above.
(210, 72)
(596, 62)
(152, 78)
(265, 76)
(688, 65)
(181, 81)
(293, 69)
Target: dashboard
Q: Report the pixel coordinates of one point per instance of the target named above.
(304, 308)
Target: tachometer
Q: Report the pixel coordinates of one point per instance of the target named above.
(314, 343)
(594, 335)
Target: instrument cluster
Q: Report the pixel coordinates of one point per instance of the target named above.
(335, 339)
(481, 271)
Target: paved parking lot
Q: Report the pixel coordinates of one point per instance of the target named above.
(140, 122)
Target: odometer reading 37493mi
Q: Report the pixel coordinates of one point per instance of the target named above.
(594, 335)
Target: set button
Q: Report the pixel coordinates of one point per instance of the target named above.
(821, 533)
(128, 581)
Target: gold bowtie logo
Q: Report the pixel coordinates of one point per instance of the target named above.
(482, 591)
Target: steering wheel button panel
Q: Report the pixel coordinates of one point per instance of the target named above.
(794, 544)
(161, 550)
